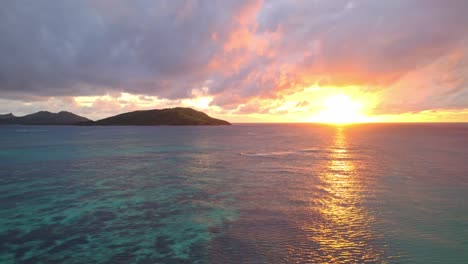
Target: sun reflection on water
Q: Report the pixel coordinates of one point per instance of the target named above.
(342, 232)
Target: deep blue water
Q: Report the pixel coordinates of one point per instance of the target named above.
(303, 193)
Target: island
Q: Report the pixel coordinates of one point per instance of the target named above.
(43, 118)
(178, 116)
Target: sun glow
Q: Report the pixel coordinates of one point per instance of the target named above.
(341, 109)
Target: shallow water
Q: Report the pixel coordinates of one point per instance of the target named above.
(234, 194)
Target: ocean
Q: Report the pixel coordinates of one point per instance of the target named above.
(247, 193)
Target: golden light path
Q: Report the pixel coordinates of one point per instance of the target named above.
(344, 234)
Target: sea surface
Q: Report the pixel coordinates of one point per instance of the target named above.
(247, 193)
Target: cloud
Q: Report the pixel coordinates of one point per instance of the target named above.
(66, 48)
(244, 54)
(377, 42)
(377, 45)
(442, 84)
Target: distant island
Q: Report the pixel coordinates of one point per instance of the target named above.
(43, 118)
(178, 116)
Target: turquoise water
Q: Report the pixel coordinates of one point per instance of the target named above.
(234, 194)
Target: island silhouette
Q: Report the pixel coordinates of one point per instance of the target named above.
(178, 116)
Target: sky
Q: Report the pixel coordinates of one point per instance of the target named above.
(244, 61)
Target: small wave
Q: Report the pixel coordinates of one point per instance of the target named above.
(310, 150)
(30, 130)
(267, 154)
(305, 151)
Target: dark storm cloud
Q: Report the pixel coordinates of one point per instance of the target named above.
(88, 47)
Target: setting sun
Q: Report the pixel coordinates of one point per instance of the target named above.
(341, 109)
